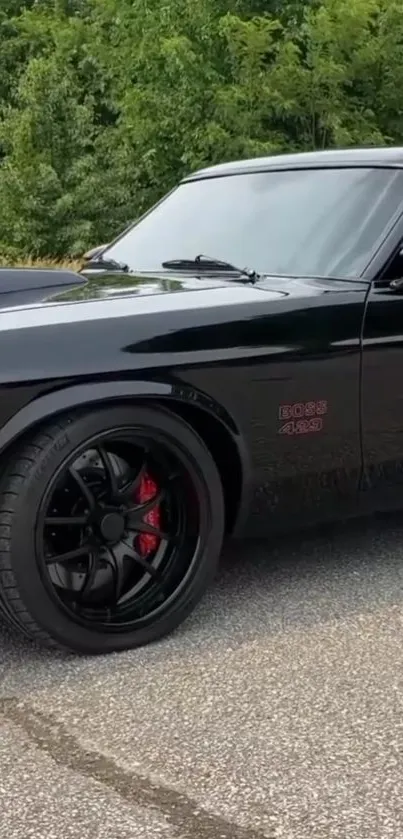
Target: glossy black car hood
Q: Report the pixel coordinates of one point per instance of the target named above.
(27, 287)
(44, 289)
(101, 285)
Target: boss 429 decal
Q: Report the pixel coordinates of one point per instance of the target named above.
(302, 417)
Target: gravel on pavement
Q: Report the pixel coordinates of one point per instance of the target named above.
(275, 711)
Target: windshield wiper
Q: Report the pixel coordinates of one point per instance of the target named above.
(107, 265)
(209, 263)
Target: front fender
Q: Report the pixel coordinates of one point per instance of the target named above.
(64, 399)
(67, 398)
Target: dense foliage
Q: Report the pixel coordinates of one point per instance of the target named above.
(104, 104)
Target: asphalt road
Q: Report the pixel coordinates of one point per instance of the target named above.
(276, 711)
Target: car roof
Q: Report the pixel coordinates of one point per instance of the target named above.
(374, 157)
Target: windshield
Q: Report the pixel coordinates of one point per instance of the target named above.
(317, 222)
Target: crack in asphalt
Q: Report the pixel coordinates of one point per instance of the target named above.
(181, 812)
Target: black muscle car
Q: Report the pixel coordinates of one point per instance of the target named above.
(232, 364)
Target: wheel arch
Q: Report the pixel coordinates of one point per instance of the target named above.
(207, 418)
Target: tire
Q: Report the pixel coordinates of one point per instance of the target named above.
(36, 592)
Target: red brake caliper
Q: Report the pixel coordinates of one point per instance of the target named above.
(147, 543)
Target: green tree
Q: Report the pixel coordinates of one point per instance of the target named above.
(105, 104)
(47, 138)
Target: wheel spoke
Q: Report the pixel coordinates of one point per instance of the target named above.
(132, 554)
(126, 492)
(85, 489)
(93, 566)
(68, 555)
(173, 476)
(143, 527)
(58, 521)
(118, 575)
(141, 510)
(109, 471)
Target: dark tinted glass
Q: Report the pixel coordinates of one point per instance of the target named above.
(324, 223)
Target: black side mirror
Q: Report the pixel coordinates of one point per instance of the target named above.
(397, 285)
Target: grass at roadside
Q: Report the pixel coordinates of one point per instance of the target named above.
(67, 264)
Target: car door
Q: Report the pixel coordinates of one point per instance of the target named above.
(304, 420)
(382, 382)
(292, 385)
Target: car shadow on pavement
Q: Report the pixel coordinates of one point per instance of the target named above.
(315, 575)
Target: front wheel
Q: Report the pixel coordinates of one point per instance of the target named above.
(111, 526)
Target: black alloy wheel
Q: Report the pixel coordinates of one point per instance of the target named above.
(112, 523)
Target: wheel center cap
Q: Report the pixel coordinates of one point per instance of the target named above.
(112, 527)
